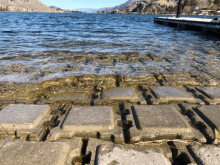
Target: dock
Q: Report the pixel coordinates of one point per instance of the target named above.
(185, 23)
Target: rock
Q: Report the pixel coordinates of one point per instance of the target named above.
(3, 8)
(11, 8)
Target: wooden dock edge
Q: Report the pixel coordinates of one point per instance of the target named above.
(181, 24)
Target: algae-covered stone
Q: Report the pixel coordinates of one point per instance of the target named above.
(160, 122)
(40, 153)
(24, 120)
(93, 121)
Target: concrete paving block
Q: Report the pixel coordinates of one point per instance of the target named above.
(172, 94)
(205, 154)
(22, 120)
(212, 94)
(180, 152)
(80, 97)
(92, 148)
(106, 154)
(21, 152)
(122, 94)
(211, 115)
(153, 122)
(197, 121)
(94, 121)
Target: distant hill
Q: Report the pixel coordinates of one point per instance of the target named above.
(124, 5)
(26, 6)
(163, 7)
(86, 10)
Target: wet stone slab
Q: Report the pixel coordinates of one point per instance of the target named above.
(93, 121)
(154, 122)
(211, 115)
(24, 120)
(212, 94)
(106, 153)
(206, 154)
(21, 152)
(172, 94)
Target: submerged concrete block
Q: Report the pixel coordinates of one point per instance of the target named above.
(172, 94)
(74, 97)
(155, 122)
(211, 115)
(108, 153)
(140, 78)
(122, 94)
(212, 94)
(21, 152)
(92, 80)
(205, 154)
(94, 121)
(24, 120)
(178, 79)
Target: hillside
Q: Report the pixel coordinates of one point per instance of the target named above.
(25, 6)
(163, 7)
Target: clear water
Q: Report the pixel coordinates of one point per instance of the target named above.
(39, 46)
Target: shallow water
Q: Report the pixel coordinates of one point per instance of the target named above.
(41, 46)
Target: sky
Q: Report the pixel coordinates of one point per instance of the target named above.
(74, 4)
